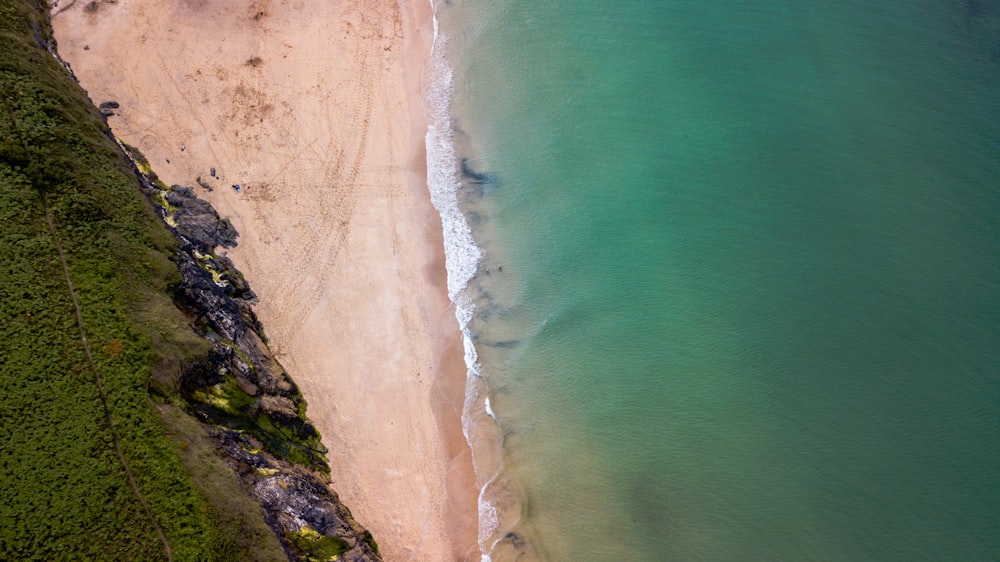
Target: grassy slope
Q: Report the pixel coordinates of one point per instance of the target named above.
(65, 492)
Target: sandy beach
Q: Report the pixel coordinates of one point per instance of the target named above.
(314, 109)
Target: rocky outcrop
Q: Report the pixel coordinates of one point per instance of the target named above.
(197, 222)
(107, 108)
(252, 408)
(255, 410)
(306, 515)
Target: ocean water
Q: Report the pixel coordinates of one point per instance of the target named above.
(729, 274)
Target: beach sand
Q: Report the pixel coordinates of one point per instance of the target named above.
(314, 108)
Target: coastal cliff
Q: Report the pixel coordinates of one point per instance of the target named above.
(143, 415)
(255, 410)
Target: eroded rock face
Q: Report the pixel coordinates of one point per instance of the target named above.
(198, 222)
(279, 407)
(297, 505)
(256, 410)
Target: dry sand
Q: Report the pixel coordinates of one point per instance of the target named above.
(314, 107)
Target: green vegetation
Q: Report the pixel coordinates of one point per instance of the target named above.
(293, 437)
(228, 405)
(236, 514)
(75, 418)
(315, 547)
(370, 541)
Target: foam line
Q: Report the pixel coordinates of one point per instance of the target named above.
(462, 255)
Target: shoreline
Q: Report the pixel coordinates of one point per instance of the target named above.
(449, 387)
(338, 234)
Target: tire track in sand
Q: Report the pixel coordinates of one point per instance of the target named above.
(340, 193)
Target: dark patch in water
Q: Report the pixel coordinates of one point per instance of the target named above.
(982, 23)
(515, 540)
(473, 218)
(472, 176)
(484, 314)
(505, 344)
(652, 510)
(978, 8)
(505, 436)
(474, 181)
(487, 307)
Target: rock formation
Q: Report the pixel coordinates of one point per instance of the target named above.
(256, 411)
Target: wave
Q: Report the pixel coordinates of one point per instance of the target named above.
(462, 255)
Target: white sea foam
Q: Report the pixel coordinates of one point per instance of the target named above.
(461, 252)
(489, 409)
(489, 520)
(462, 255)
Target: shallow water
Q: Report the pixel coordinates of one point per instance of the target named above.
(749, 305)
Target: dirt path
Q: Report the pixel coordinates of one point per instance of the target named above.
(108, 419)
(98, 381)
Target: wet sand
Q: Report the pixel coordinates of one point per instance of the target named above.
(314, 109)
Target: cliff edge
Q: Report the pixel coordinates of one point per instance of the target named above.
(143, 416)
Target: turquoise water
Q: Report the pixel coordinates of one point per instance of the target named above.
(749, 306)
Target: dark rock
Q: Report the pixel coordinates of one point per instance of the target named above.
(214, 294)
(198, 222)
(289, 496)
(106, 108)
(248, 387)
(36, 32)
(279, 407)
(200, 374)
(293, 499)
